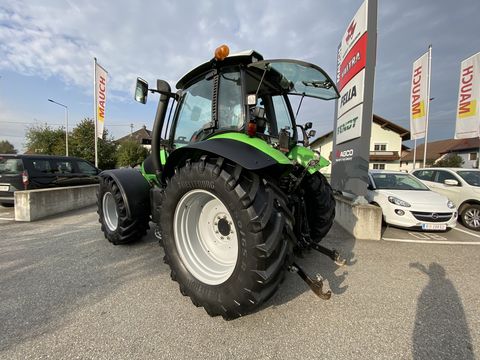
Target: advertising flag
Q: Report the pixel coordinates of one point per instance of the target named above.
(419, 98)
(100, 98)
(468, 106)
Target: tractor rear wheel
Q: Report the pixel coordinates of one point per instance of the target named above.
(117, 227)
(225, 232)
(320, 204)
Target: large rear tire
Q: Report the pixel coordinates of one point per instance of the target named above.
(117, 227)
(225, 232)
(320, 204)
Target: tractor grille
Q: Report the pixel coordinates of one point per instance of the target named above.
(432, 217)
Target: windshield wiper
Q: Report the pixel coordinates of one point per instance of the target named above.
(325, 84)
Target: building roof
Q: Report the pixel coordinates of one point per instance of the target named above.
(465, 144)
(142, 136)
(436, 149)
(384, 123)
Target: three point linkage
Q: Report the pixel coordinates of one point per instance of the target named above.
(316, 285)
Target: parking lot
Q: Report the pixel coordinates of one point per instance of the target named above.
(67, 293)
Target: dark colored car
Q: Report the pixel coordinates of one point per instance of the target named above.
(26, 172)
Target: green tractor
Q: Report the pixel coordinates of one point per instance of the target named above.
(233, 191)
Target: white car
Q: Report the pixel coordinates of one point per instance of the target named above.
(460, 185)
(408, 203)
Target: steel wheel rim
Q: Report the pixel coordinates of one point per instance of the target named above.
(205, 237)
(472, 217)
(110, 213)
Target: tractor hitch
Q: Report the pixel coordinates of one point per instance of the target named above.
(316, 285)
(332, 254)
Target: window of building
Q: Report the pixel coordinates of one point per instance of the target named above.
(379, 166)
(380, 147)
(472, 156)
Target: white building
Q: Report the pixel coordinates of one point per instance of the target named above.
(385, 145)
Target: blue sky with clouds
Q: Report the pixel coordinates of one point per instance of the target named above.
(47, 50)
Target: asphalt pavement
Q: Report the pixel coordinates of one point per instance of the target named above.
(66, 293)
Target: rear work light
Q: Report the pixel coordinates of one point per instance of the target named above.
(25, 179)
(251, 128)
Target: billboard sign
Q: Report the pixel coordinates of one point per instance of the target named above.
(353, 113)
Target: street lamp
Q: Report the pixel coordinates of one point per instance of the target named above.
(66, 121)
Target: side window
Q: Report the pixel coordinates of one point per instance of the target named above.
(86, 168)
(282, 114)
(62, 167)
(444, 175)
(195, 114)
(41, 165)
(230, 106)
(426, 175)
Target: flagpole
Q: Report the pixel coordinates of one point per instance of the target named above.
(414, 152)
(427, 105)
(95, 108)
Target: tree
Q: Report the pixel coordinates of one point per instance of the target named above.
(7, 148)
(131, 153)
(82, 144)
(451, 160)
(42, 139)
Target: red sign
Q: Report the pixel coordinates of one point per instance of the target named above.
(353, 63)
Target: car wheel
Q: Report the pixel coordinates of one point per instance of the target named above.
(471, 217)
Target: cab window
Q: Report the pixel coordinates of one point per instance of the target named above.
(195, 113)
(230, 105)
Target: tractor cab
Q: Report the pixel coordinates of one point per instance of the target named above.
(246, 94)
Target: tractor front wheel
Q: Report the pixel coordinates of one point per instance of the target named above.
(117, 227)
(225, 235)
(320, 204)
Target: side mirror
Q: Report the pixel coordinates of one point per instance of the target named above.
(451, 182)
(311, 133)
(307, 126)
(370, 187)
(141, 91)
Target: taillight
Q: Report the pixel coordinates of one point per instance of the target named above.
(25, 179)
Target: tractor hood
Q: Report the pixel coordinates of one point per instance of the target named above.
(300, 78)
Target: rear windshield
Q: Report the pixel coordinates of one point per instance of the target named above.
(10, 166)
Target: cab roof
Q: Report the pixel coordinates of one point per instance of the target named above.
(244, 57)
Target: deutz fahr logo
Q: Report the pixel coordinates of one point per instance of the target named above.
(350, 124)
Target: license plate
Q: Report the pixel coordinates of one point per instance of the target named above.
(4, 187)
(434, 227)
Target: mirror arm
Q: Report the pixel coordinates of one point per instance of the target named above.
(166, 93)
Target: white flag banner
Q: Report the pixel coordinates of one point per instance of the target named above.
(468, 106)
(100, 98)
(419, 98)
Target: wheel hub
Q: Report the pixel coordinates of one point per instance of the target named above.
(223, 226)
(205, 237)
(110, 213)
